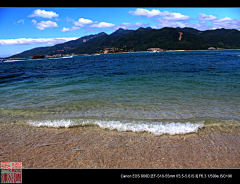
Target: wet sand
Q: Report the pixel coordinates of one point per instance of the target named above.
(93, 147)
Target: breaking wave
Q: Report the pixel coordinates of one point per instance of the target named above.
(155, 128)
(52, 123)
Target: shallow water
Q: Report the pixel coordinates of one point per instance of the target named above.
(166, 92)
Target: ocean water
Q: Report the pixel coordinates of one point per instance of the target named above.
(160, 93)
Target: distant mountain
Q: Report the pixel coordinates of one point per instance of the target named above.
(120, 32)
(165, 38)
(168, 38)
(189, 30)
(100, 43)
(142, 39)
(62, 48)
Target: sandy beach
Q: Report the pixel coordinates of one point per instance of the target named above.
(93, 147)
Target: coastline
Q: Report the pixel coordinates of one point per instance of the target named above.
(192, 50)
(138, 52)
(158, 51)
(93, 147)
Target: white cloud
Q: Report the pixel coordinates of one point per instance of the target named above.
(43, 14)
(81, 22)
(201, 26)
(141, 24)
(226, 19)
(180, 24)
(179, 20)
(30, 41)
(166, 14)
(34, 22)
(85, 21)
(44, 24)
(227, 23)
(125, 26)
(147, 13)
(64, 29)
(19, 21)
(167, 23)
(205, 17)
(168, 19)
(131, 26)
(103, 25)
(176, 16)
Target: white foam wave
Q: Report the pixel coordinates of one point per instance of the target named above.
(67, 57)
(54, 58)
(52, 123)
(155, 128)
(12, 60)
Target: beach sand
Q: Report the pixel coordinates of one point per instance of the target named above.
(93, 147)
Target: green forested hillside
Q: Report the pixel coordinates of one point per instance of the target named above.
(167, 38)
(142, 39)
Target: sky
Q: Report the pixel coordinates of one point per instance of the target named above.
(26, 28)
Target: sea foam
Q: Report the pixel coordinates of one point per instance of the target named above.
(155, 128)
(52, 123)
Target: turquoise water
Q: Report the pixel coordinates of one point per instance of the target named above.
(165, 92)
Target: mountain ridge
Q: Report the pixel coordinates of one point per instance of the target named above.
(143, 38)
(57, 49)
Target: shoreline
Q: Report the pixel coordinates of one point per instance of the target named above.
(157, 51)
(93, 147)
(185, 50)
(139, 52)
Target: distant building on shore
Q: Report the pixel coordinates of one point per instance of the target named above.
(38, 56)
(108, 50)
(155, 49)
(211, 48)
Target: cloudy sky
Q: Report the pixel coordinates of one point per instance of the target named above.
(25, 28)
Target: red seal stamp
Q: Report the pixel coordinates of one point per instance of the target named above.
(11, 172)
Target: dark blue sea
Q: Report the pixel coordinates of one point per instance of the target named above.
(161, 93)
